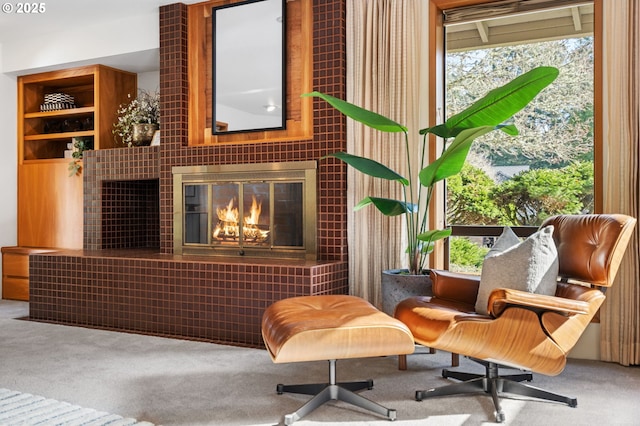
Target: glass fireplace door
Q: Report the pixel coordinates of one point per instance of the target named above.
(270, 215)
(256, 223)
(196, 214)
(268, 212)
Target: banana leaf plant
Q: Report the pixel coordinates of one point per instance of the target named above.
(458, 132)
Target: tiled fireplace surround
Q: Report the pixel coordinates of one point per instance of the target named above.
(127, 277)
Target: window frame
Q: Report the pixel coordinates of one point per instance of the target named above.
(436, 102)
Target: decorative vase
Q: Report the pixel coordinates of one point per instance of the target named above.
(143, 133)
(398, 284)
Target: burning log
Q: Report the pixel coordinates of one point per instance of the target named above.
(228, 227)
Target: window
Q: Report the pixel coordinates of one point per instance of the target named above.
(549, 168)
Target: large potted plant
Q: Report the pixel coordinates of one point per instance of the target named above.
(458, 132)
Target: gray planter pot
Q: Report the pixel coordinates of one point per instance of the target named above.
(397, 286)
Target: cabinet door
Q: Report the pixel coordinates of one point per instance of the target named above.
(15, 288)
(49, 206)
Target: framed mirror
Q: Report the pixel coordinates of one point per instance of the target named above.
(249, 66)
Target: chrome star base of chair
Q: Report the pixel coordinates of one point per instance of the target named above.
(332, 391)
(493, 383)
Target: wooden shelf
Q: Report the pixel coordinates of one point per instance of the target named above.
(55, 136)
(97, 90)
(61, 113)
(49, 161)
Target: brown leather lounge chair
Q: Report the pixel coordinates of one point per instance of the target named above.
(523, 330)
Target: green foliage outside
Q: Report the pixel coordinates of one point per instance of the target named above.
(469, 199)
(468, 255)
(524, 200)
(530, 197)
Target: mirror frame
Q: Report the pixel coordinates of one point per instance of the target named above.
(283, 80)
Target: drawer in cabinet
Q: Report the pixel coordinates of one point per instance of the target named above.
(15, 288)
(15, 265)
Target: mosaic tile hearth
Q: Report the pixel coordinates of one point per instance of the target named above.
(213, 300)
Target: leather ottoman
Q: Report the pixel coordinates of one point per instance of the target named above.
(332, 327)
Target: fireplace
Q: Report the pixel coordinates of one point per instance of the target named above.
(261, 210)
(135, 281)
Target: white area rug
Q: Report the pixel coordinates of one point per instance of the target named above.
(24, 409)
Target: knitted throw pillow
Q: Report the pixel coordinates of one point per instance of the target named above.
(530, 265)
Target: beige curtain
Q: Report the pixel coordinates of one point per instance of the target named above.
(620, 316)
(383, 75)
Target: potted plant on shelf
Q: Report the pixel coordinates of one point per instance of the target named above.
(79, 145)
(458, 132)
(138, 120)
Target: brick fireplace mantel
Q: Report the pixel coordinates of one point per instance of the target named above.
(127, 276)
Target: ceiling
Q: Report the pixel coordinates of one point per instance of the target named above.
(551, 24)
(67, 13)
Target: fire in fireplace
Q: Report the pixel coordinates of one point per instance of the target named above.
(266, 210)
(229, 227)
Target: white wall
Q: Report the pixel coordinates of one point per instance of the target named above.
(130, 43)
(80, 45)
(588, 347)
(8, 161)
(149, 81)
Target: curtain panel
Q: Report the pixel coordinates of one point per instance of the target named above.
(383, 75)
(620, 315)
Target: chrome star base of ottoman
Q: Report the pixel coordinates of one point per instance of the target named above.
(332, 391)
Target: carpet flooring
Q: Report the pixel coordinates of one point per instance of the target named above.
(175, 382)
